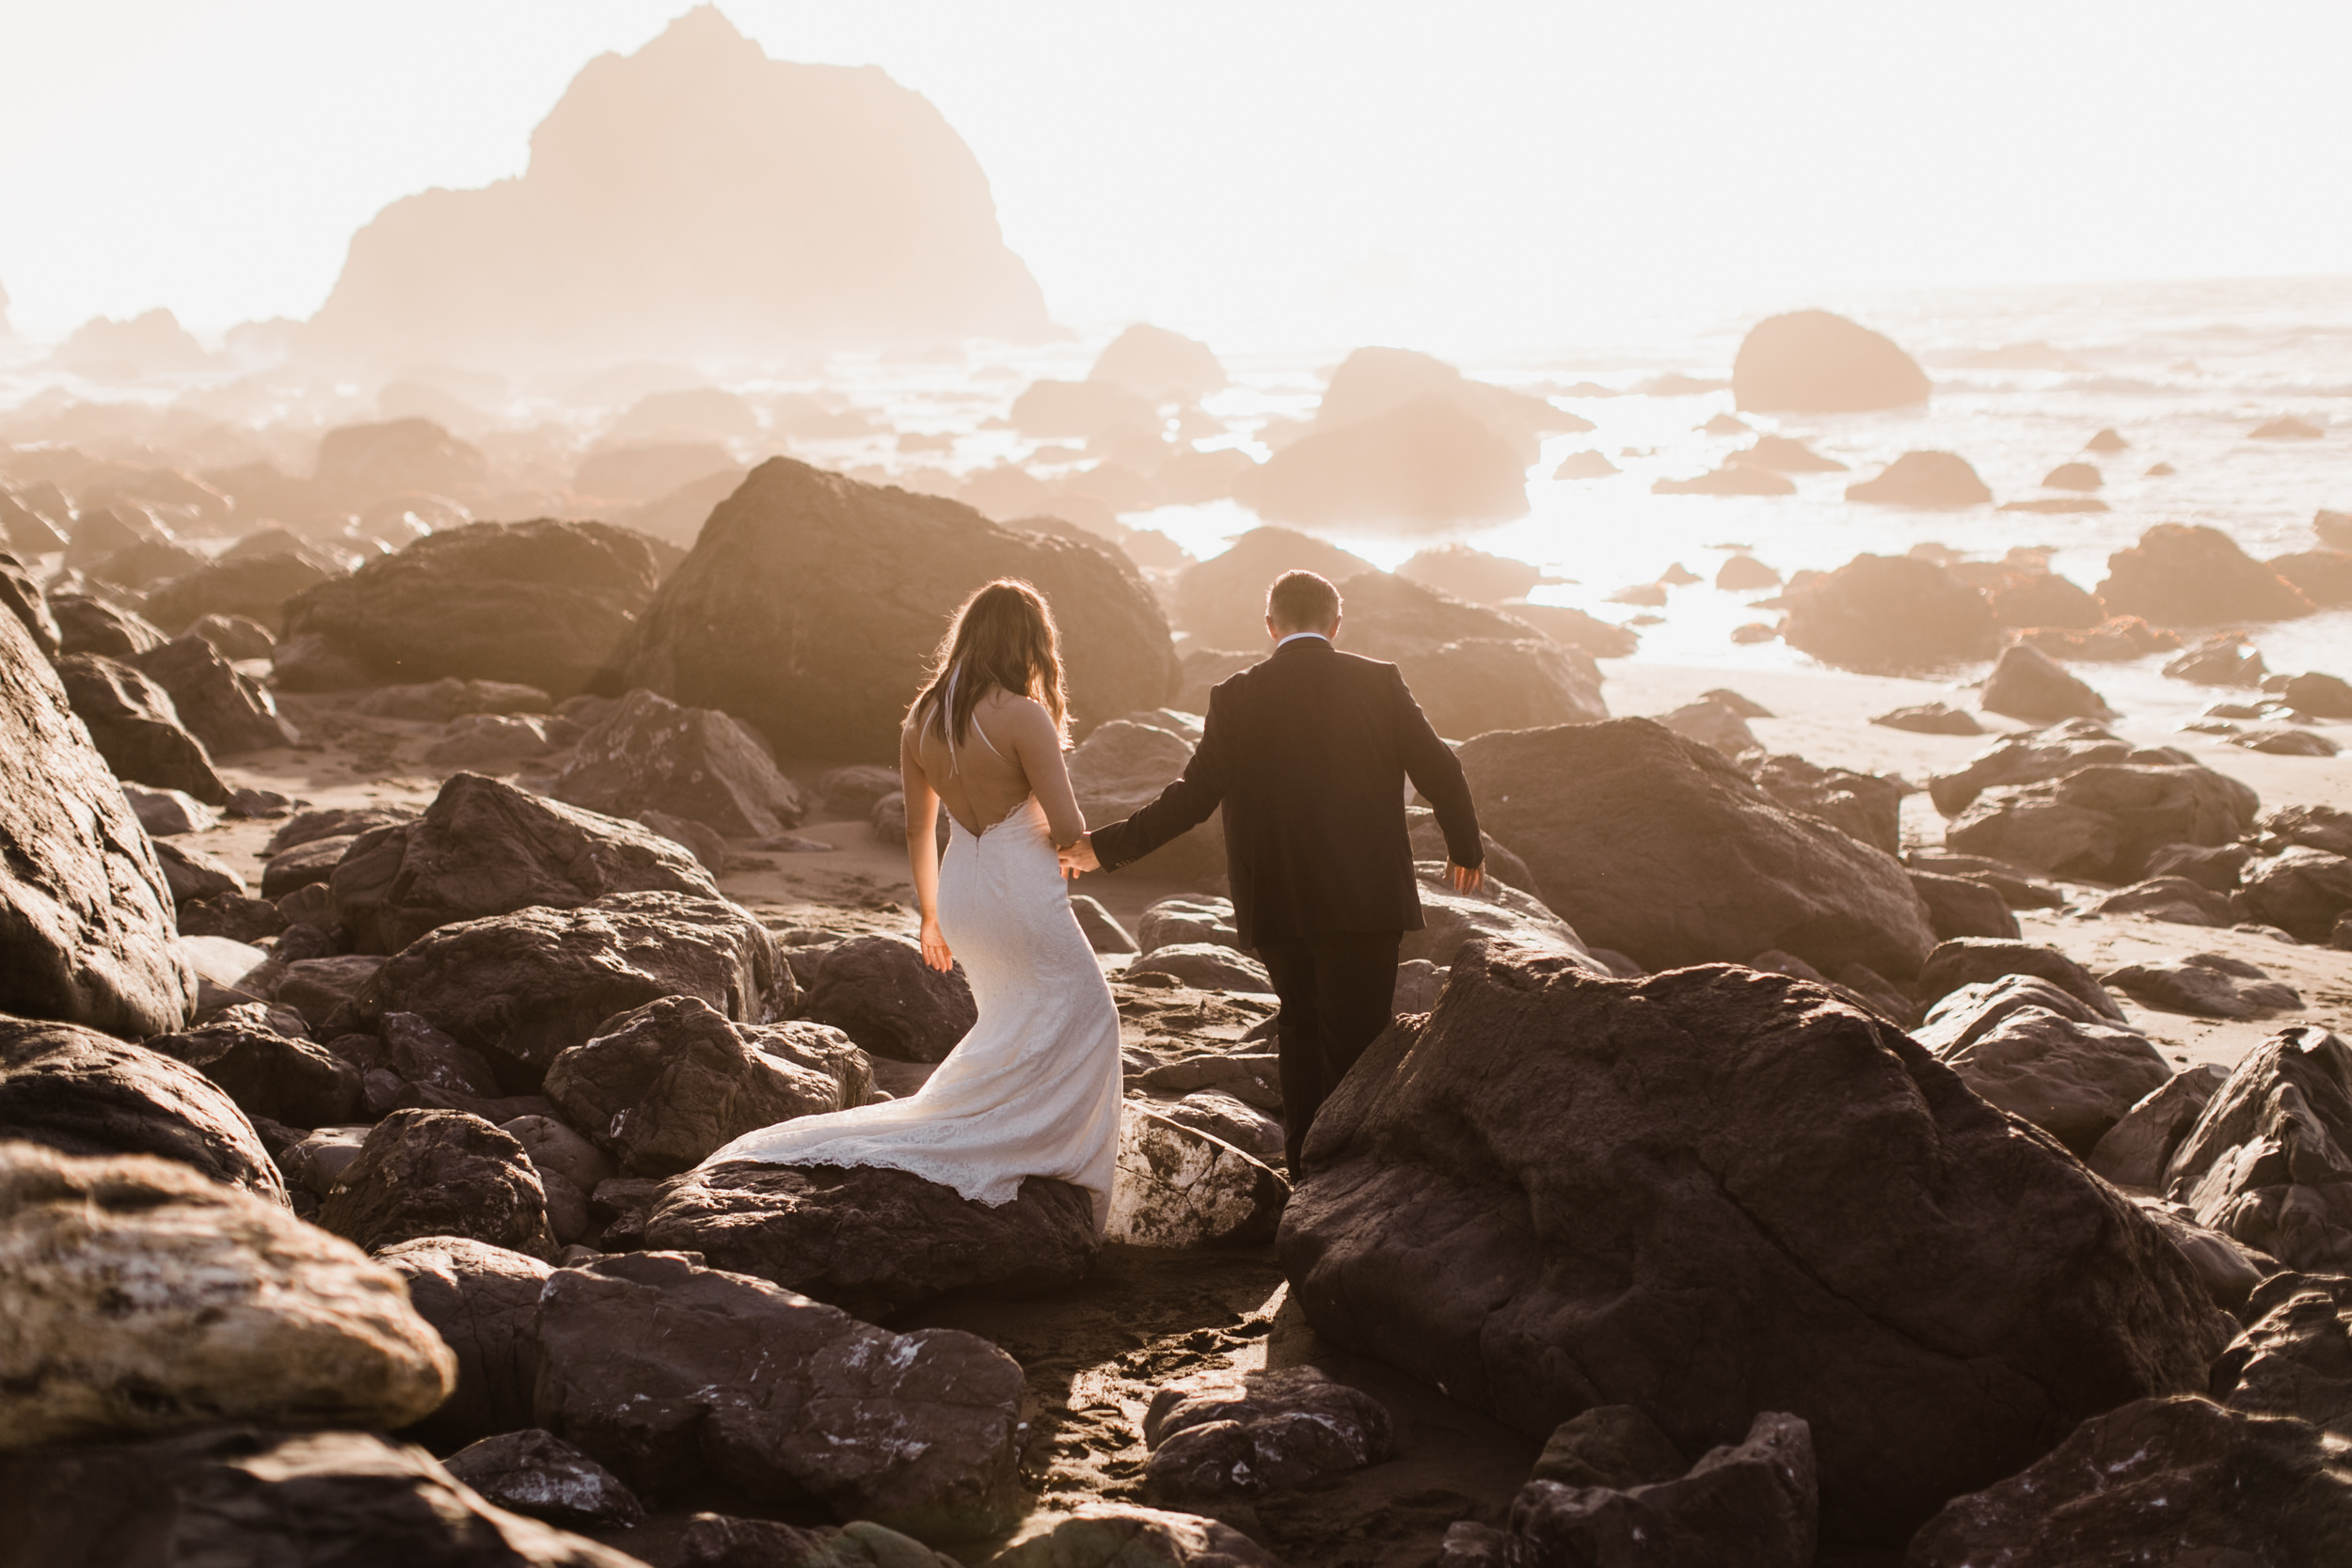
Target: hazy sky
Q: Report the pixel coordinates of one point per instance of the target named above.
(1261, 171)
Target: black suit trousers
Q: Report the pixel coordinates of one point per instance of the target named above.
(1337, 991)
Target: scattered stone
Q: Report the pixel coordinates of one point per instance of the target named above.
(1103, 933)
(663, 1086)
(438, 702)
(1812, 361)
(2303, 891)
(1117, 1535)
(145, 1298)
(2172, 1481)
(304, 865)
(323, 990)
(2214, 867)
(2073, 1078)
(653, 1365)
(878, 991)
(1629, 827)
(537, 1474)
(484, 1302)
(229, 914)
(1204, 966)
(1924, 478)
(1225, 1434)
(2175, 900)
(137, 729)
(1181, 1187)
(1712, 723)
(1958, 907)
(489, 740)
(440, 1172)
(1471, 574)
(2179, 574)
(2287, 742)
(221, 705)
(2134, 1151)
(2294, 1358)
(1890, 613)
(234, 637)
(1969, 960)
(2265, 1162)
(267, 1073)
(241, 1495)
(523, 988)
(1495, 912)
(650, 755)
(2204, 985)
(165, 813)
(484, 847)
(1866, 807)
(2225, 659)
(707, 847)
(191, 874)
(93, 625)
(870, 1240)
(2030, 684)
(1932, 719)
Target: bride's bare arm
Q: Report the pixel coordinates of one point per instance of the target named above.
(923, 847)
(1037, 746)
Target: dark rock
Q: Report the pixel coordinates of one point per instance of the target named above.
(1866, 807)
(555, 1149)
(1428, 844)
(2172, 1481)
(1812, 361)
(1614, 1446)
(1235, 1121)
(1932, 719)
(2030, 684)
(1179, 1187)
(238, 1494)
(165, 811)
(2294, 1358)
(484, 847)
(91, 625)
(543, 603)
(254, 586)
(489, 740)
(1627, 829)
(1104, 932)
(1744, 574)
(22, 596)
(878, 991)
(2134, 1151)
(81, 1092)
(663, 1086)
(308, 827)
(191, 874)
(484, 1302)
(136, 728)
(2286, 742)
(2203, 985)
(1968, 961)
(2225, 659)
(1428, 463)
(2073, 1078)
(267, 1073)
(2031, 759)
(1221, 601)
(229, 914)
(323, 990)
(1118, 1535)
(523, 988)
(2265, 1162)
(707, 847)
(1890, 613)
(1471, 668)
(2019, 891)
(1752, 1503)
(1224, 1435)
(2173, 899)
(854, 791)
(2327, 827)
(811, 601)
(1471, 574)
(2213, 868)
(426, 1056)
(1924, 478)
(2301, 890)
(314, 662)
(1204, 966)
(2229, 1269)
(1121, 767)
(440, 1172)
(1960, 907)
(2042, 599)
(1574, 628)
(537, 1474)
(650, 755)
(1780, 1214)
(1497, 912)
(874, 1240)
(2179, 574)
(655, 1366)
(2320, 695)
(2105, 820)
(438, 702)
(145, 1298)
(305, 863)
(1174, 921)
(1710, 724)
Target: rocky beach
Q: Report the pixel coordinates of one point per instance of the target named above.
(1889, 1107)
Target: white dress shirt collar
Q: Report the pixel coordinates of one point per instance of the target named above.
(1295, 636)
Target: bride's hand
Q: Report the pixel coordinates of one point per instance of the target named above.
(935, 950)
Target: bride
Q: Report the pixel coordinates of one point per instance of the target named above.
(1034, 1088)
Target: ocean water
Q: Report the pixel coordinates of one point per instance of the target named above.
(2183, 371)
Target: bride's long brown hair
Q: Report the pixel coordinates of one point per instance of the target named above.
(1003, 638)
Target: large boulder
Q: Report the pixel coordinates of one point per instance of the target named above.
(21, 598)
(1121, 768)
(2160, 1480)
(874, 1240)
(1219, 1436)
(1658, 847)
(1789, 1206)
(2303, 891)
(1221, 602)
(811, 602)
(650, 755)
(524, 987)
(144, 1298)
(2027, 683)
(1890, 613)
(1372, 382)
(2135, 1149)
(221, 705)
(2266, 1161)
(1813, 362)
(538, 1474)
(86, 934)
(484, 847)
(1181, 1187)
(255, 586)
(2105, 820)
(541, 603)
(668, 1372)
(2295, 1356)
(81, 1092)
(1159, 366)
(1866, 807)
(1471, 669)
(662, 1087)
(2184, 575)
(484, 1302)
(878, 991)
(1495, 912)
(2072, 1078)
(1429, 463)
(2039, 755)
(440, 1172)
(243, 1494)
(1931, 478)
(138, 729)
(1975, 960)
(269, 1074)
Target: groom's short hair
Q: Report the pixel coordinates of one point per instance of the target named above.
(1302, 601)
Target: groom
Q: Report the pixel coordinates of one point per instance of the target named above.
(1308, 752)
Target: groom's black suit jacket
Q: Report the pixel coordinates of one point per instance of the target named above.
(1309, 752)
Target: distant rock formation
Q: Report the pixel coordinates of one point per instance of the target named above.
(1811, 361)
(1923, 479)
(104, 349)
(693, 198)
(1160, 365)
(1425, 464)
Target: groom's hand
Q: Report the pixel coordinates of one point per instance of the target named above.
(1079, 858)
(1465, 878)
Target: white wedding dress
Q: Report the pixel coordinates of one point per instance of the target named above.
(1034, 1088)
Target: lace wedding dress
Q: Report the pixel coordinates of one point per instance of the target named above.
(1034, 1088)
